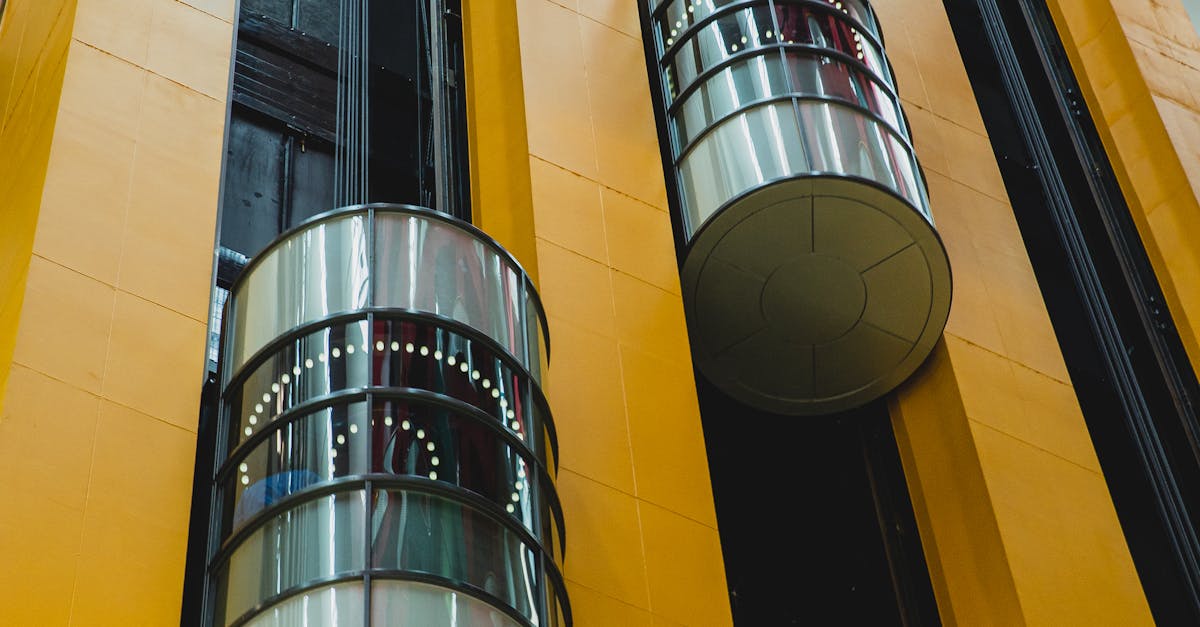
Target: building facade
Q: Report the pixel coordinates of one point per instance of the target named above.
(1038, 468)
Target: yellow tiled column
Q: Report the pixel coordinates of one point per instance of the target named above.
(642, 546)
(1015, 516)
(98, 426)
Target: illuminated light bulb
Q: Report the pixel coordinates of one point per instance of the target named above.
(424, 351)
(486, 384)
(379, 346)
(516, 426)
(249, 431)
(337, 352)
(743, 39)
(678, 24)
(838, 5)
(266, 398)
(308, 363)
(521, 472)
(475, 375)
(511, 414)
(451, 360)
(245, 480)
(258, 408)
(387, 421)
(504, 402)
(495, 392)
(395, 346)
(353, 428)
(463, 366)
(341, 439)
(437, 355)
(406, 425)
(516, 497)
(860, 56)
(510, 507)
(430, 446)
(691, 9)
(243, 467)
(253, 419)
(518, 485)
(275, 387)
(333, 452)
(670, 41)
(733, 48)
(349, 349)
(521, 437)
(296, 370)
(420, 434)
(770, 34)
(408, 348)
(286, 378)
(858, 46)
(674, 32)
(435, 461)
(321, 357)
(433, 475)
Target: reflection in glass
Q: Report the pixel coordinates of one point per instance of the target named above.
(330, 606)
(319, 538)
(429, 534)
(409, 604)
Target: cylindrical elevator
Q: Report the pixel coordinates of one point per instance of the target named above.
(813, 279)
(385, 453)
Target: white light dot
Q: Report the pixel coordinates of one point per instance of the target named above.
(243, 467)
(408, 348)
(337, 352)
(253, 419)
(510, 508)
(511, 414)
(769, 34)
(420, 434)
(516, 497)
(379, 346)
(258, 408)
(495, 393)
(296, 370)
(475, 374)
(405, 424)
(743, 39)
(308, 363)
(860, 56)
(286, 378)
(487, 384)
(504, 402)
(321, 357)
(733, 48)
(387, 420)
(275, 387)
(516, 426)
(463, 366)
(437, 355)
(451, 360)
(341, 439)
(435, 461)
(521, 437)
(395, 346)
(521, 472)
(333, 452)
(430, 446)
(249, 431)
(353, 428)
(670, 41)
(518, 485)
(678, 24)
(424, 351)
(245, 480)
(433, 475)
(349, 349)
(674, 32)
(266, 398)
(691, 9)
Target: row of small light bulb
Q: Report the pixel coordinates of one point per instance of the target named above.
(769, 34)
(409, 348)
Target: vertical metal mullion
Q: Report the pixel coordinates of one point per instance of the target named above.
(368, 561)
(437, 94)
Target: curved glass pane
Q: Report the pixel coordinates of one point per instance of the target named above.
(332, 606)
(426, 440)
(304, 452)
(756, 146)
(680, 15)
(816, 26)
(742, 83)
(715, 42)
(427, 357)
(410, 604)
(319, 271)
(428, 265)
(312, 366)
(422, 533)
(814, 75)
(316, 539)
